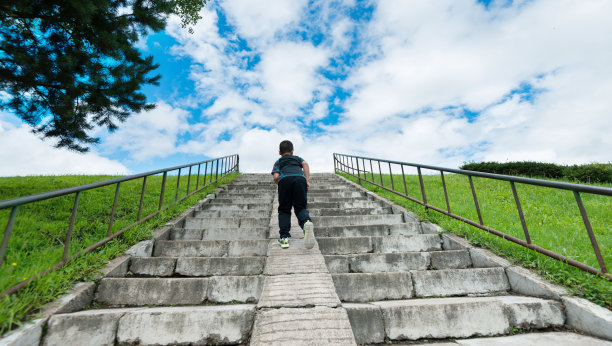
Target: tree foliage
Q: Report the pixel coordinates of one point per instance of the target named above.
(68, 66)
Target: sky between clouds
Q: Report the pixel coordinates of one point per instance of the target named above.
(434, 82)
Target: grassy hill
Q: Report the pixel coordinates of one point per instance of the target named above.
(552, 217)
(40, 228)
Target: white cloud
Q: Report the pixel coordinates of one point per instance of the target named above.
(150, 134)
(23, 153)
(261, 21)
(421, 63)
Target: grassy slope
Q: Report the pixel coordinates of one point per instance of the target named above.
(552, 217)
(37, 238)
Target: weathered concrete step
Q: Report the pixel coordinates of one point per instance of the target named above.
(219, 234)
(317, 199)
(298, 290)
(302, 326)
(364, 287)
(241, 201)
(243, 207)
(210, 248)
(456, 282)
(384, 244)
(401, 261)
(197, 266)
(407, 228)
(178, 291)
(548, 338)
(346, 204)
(450, 317)
(349, 211)
(226, 222)
(234, 213)
(376, 263)
(269, 195)
(327, 221)
(228, 324)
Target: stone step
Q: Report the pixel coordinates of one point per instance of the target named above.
(546, 338)
(226, 222)
(197, 266)
(178, 291)
(450, 318)
(218, 234)
(346, 204)
(227, 324)
(364, 287)
(269, 195)
(234, 213)
(384, 244)
(407, 228)
(330, 221)
(394, 262)
(242, 201)
(376, 263)
(349, 211)
(318, 199)
(243, 207)
(210, 248)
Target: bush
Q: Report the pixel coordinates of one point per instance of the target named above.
(590, 173)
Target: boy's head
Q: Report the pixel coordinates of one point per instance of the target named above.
(285, 147)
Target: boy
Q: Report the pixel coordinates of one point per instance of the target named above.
(292, 174)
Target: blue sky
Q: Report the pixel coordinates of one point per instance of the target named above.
(435, 82)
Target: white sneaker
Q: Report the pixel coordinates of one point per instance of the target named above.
(309, 234)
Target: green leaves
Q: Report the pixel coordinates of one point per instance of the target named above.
(70, 66)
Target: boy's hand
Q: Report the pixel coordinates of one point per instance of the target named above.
(276, 175)
(307, 185)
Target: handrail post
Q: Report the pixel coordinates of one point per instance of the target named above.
(217, 170)
(380, 173)
(75, 206)
(445, 193)
(391, 176)
(358, 173)
(475, 200)
(144, 184)
(404, 179)
(587, 224)
(178, 182)
(198, 179)
(163, 191)
(371, 170)
(188, 181)
(7, 233)
(112, 216)
(205, 172)
(520, 212)
(422, 187)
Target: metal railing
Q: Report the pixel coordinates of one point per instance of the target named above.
(214, 169)
(352, 165)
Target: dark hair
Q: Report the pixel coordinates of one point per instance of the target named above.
(285, 147)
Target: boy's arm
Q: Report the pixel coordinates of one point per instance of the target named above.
(276, 175)
(306, 173)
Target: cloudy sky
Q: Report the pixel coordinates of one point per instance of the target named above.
(436, 82)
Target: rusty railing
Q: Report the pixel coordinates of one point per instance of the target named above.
(352, 165)
(214, 169)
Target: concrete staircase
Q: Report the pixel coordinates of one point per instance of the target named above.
(375, 275)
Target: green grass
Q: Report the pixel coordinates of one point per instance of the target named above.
(552, 217)
(40, 229)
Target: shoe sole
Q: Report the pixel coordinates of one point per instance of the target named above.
(309, 235)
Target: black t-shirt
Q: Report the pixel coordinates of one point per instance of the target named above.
(288, 165)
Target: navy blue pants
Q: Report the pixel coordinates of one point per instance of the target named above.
(292, 192)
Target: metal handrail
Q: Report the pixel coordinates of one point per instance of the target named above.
(219, 168)
(350, 165)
